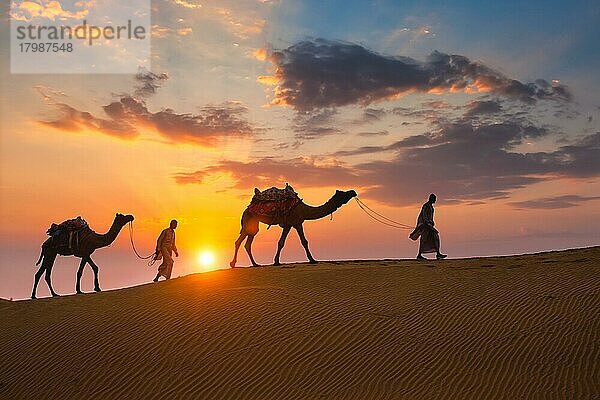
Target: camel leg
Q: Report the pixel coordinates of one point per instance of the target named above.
(79, 273)
(281, 243)
(95, 269)
(48, 263)
(248, 247)
(38, 275)
(250, 227)
(304, 242)
(47, 259)
(49, 282)
(238, 243)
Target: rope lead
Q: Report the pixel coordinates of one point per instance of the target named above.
(382, 219)
(151, 262)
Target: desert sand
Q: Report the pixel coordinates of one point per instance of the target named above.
(519, 327)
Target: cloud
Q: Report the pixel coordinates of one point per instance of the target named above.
(242, 25)
(423, 114)
(315, 124)
(411, 141)
(373, 114)
(480, 107)
(553, 203)
(73, 120)
(437, 104)
(375, 133)
(582, 158)
(187, 4)
(369, 115)
(148, 82)
(412, 34)
(53, 10)
(128, 117)
(432, 112)
(321, 73)
(259, 54)
(459, 161)
(266, 172)
(48, 93)
(243, 20)
(464, 162)
(160, 31)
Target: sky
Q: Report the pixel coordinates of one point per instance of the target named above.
(491, 105)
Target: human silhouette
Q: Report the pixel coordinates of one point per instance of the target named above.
(430, 237)
(165, 246)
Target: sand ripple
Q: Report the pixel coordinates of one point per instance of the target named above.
(525, 327)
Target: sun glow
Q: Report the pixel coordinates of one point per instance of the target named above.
(206, 259)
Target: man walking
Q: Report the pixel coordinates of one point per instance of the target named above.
(165, 245)
(430, 237)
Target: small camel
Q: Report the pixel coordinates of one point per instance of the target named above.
(296, 217)
(88, 242)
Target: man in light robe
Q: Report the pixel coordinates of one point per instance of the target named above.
(430, 237)
(165, 246)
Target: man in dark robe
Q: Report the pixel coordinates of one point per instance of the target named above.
(430, 237)
(165, 245)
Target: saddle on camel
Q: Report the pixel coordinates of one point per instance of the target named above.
(68, 233)
(274, 202)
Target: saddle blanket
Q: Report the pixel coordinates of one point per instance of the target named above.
(274, 202)
(273, 208)
(69, 225)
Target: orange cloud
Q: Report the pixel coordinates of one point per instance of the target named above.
(242, 26)
(128, 117)
(183, 31)
(159, 31)
(241, 19)
(187, 4)
(74, 120)
(268, 79)
(260, 54)
(27, 10)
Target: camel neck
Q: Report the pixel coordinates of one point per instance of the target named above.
(320, 211)
(110, 236)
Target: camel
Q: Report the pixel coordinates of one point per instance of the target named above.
(87, 242)
(296, 217)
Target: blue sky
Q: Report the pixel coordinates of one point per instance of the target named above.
(567, 31)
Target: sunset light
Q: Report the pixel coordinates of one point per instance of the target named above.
(206, 258)
(269, 199)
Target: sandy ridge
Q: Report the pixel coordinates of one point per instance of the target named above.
(494, 328)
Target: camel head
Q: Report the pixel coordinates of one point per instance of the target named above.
(342, 197)
(123, 219)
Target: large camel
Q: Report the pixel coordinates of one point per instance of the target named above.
(83, 246)
(294, 219)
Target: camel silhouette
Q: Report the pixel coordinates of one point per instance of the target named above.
(85, 244)
(294, 219)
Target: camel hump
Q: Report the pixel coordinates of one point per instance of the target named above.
(274, 202)
(68, 225)
(274, 194)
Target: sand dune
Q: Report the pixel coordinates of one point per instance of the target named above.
(522, 327)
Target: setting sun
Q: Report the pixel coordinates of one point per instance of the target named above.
(206, 258)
